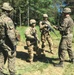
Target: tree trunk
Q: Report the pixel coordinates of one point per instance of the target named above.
(20, 16)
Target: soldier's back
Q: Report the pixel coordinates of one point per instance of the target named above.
(9, 30)
(2, 29)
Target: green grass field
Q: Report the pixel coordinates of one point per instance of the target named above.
(23, 28)
(44, 66)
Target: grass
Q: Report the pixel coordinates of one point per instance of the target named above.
(32, 67)
(22, 31)
(23, 28)
(43, 66)
(69, 70)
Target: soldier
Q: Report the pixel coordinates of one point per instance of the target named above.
(45, 35)
(7, 39)
(66, 31)
(31, 40)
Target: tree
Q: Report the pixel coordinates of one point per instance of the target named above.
(36, 9)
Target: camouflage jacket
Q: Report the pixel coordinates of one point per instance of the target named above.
(66, 26)
(8, 30)
(43, 27)
(29, 33)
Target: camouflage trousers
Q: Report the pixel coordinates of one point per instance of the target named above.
(3, 59)
(32, 47)
(44, 38)
(65, 44)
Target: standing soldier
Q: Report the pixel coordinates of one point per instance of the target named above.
(7, 40)
(31, 39)
(66, 31)
(45, 33)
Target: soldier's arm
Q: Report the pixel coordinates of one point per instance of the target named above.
(42, 26)
(64, 25)
(49, 24)
(10, 32)
(6, 48)
(28, 34)
(2, 36)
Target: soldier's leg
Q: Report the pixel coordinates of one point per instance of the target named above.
(3, 58)
(1, 61)
(50, 43)
(43, 39)
(61, 52)
(71, 55)
(11, 65)
(43, 44)
(69, 49)
(62, 48)
(30, 52)
(38, 51)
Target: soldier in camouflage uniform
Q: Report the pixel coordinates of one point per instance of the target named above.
(31, 40)
(66, 31)
(45, 35)
(7, 40)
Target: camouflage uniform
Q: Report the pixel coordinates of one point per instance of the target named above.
(66, 31)
(7, 41)
(31, 40)
(45, 35)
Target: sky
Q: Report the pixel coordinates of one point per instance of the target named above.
(60, 8)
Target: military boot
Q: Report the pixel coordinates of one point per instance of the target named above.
(60, 64)
(30, 60)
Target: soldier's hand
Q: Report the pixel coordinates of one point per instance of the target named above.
(55, 27)
(46, 25)
(11, 54)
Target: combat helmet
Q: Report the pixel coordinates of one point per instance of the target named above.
(45, 15)
(6, 6)
(67, 10)
(32, 21)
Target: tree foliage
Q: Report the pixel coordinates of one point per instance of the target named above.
(36, 9)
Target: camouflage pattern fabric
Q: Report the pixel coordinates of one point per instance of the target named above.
(7, 42)
(1, 60)
(31, 42)
(45, 36)
(66, 30)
